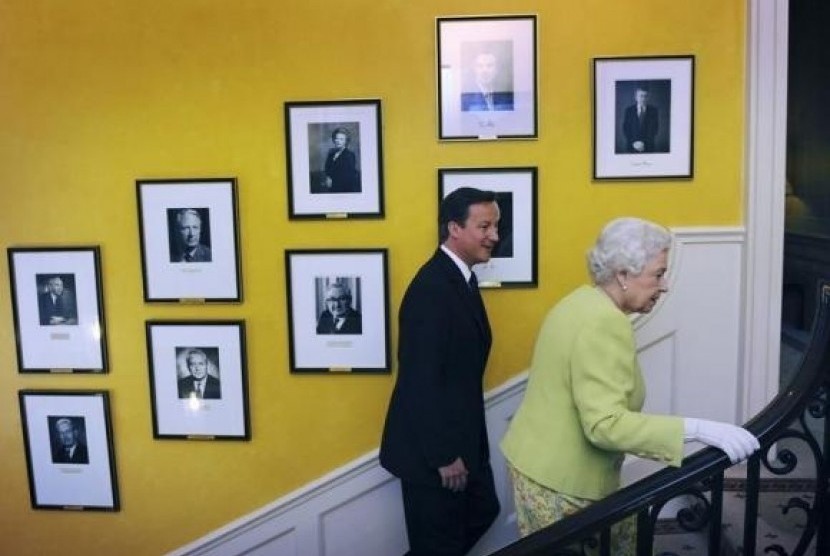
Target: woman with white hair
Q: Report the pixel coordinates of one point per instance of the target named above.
(581, 411)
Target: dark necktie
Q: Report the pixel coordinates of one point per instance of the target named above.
(473, 282)
(481, 315)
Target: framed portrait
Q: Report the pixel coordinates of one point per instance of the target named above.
(58, 309)
(198, 379)
(334, 159)
(189, 240)
(69, 449)
(338, 315)
(513, 261)
(644, 117)
(486, 73)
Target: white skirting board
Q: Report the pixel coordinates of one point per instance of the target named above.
(688, 344)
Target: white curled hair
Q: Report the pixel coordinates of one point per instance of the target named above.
(626, 244)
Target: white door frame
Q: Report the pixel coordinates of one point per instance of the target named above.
(766, 157)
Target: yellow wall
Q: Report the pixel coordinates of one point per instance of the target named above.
(97, 93)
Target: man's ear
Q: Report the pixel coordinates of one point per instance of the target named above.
(453, 227)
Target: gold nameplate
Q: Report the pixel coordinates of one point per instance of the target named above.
(337, 215)
(192, 301)
(489, 284)
(74, 508)
(200, 437)
(340, 369)
(60, 370)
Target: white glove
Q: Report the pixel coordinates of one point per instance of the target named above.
(737, 442)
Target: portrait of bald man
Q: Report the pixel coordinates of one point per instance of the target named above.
(189, 233)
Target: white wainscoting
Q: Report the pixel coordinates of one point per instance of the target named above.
(689, 349)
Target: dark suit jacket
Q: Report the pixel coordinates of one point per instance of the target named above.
(80, 455)
(201, 254)
(644, 131)
(63, 307)
(352, 325)
(436, 412)
(212, 391)
(475, 101)
(343, 172)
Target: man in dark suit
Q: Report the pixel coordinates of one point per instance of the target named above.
(188, 238)
(485, 97)
(435, 437)
(339, 317)
(56, 305)
(199, 383)
(640, 123)
(341, 165)
(69, 448)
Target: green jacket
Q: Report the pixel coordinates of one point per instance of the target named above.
(581, 410)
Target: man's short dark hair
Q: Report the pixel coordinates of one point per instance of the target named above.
(455, 207)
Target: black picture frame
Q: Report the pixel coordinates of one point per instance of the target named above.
(334, 159)
(338, 310)
(58, 309)
(70, 457)
(178, 351)
(487, 77)
(189, 236)
(643, 113)
(514, 260)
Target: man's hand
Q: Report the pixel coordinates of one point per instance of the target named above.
(454, 475)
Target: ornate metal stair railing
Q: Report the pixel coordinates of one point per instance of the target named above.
(783, 421)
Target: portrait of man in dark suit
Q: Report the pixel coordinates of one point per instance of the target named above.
(645, 121)
(68, 439)
(189, 235)
(201, 378)
(339, 316)
(435, 435)
(488, 76)
(56, 301)
(504, 248)
(334, 157)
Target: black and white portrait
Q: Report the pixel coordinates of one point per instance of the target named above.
(487, 76)
(334, 157)
(197, 371)
(338, 305)
(56, 301)
(67, 435)
(189, 235)
(643, 109)
(504, 248)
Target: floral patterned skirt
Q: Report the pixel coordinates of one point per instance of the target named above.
(538, 506)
